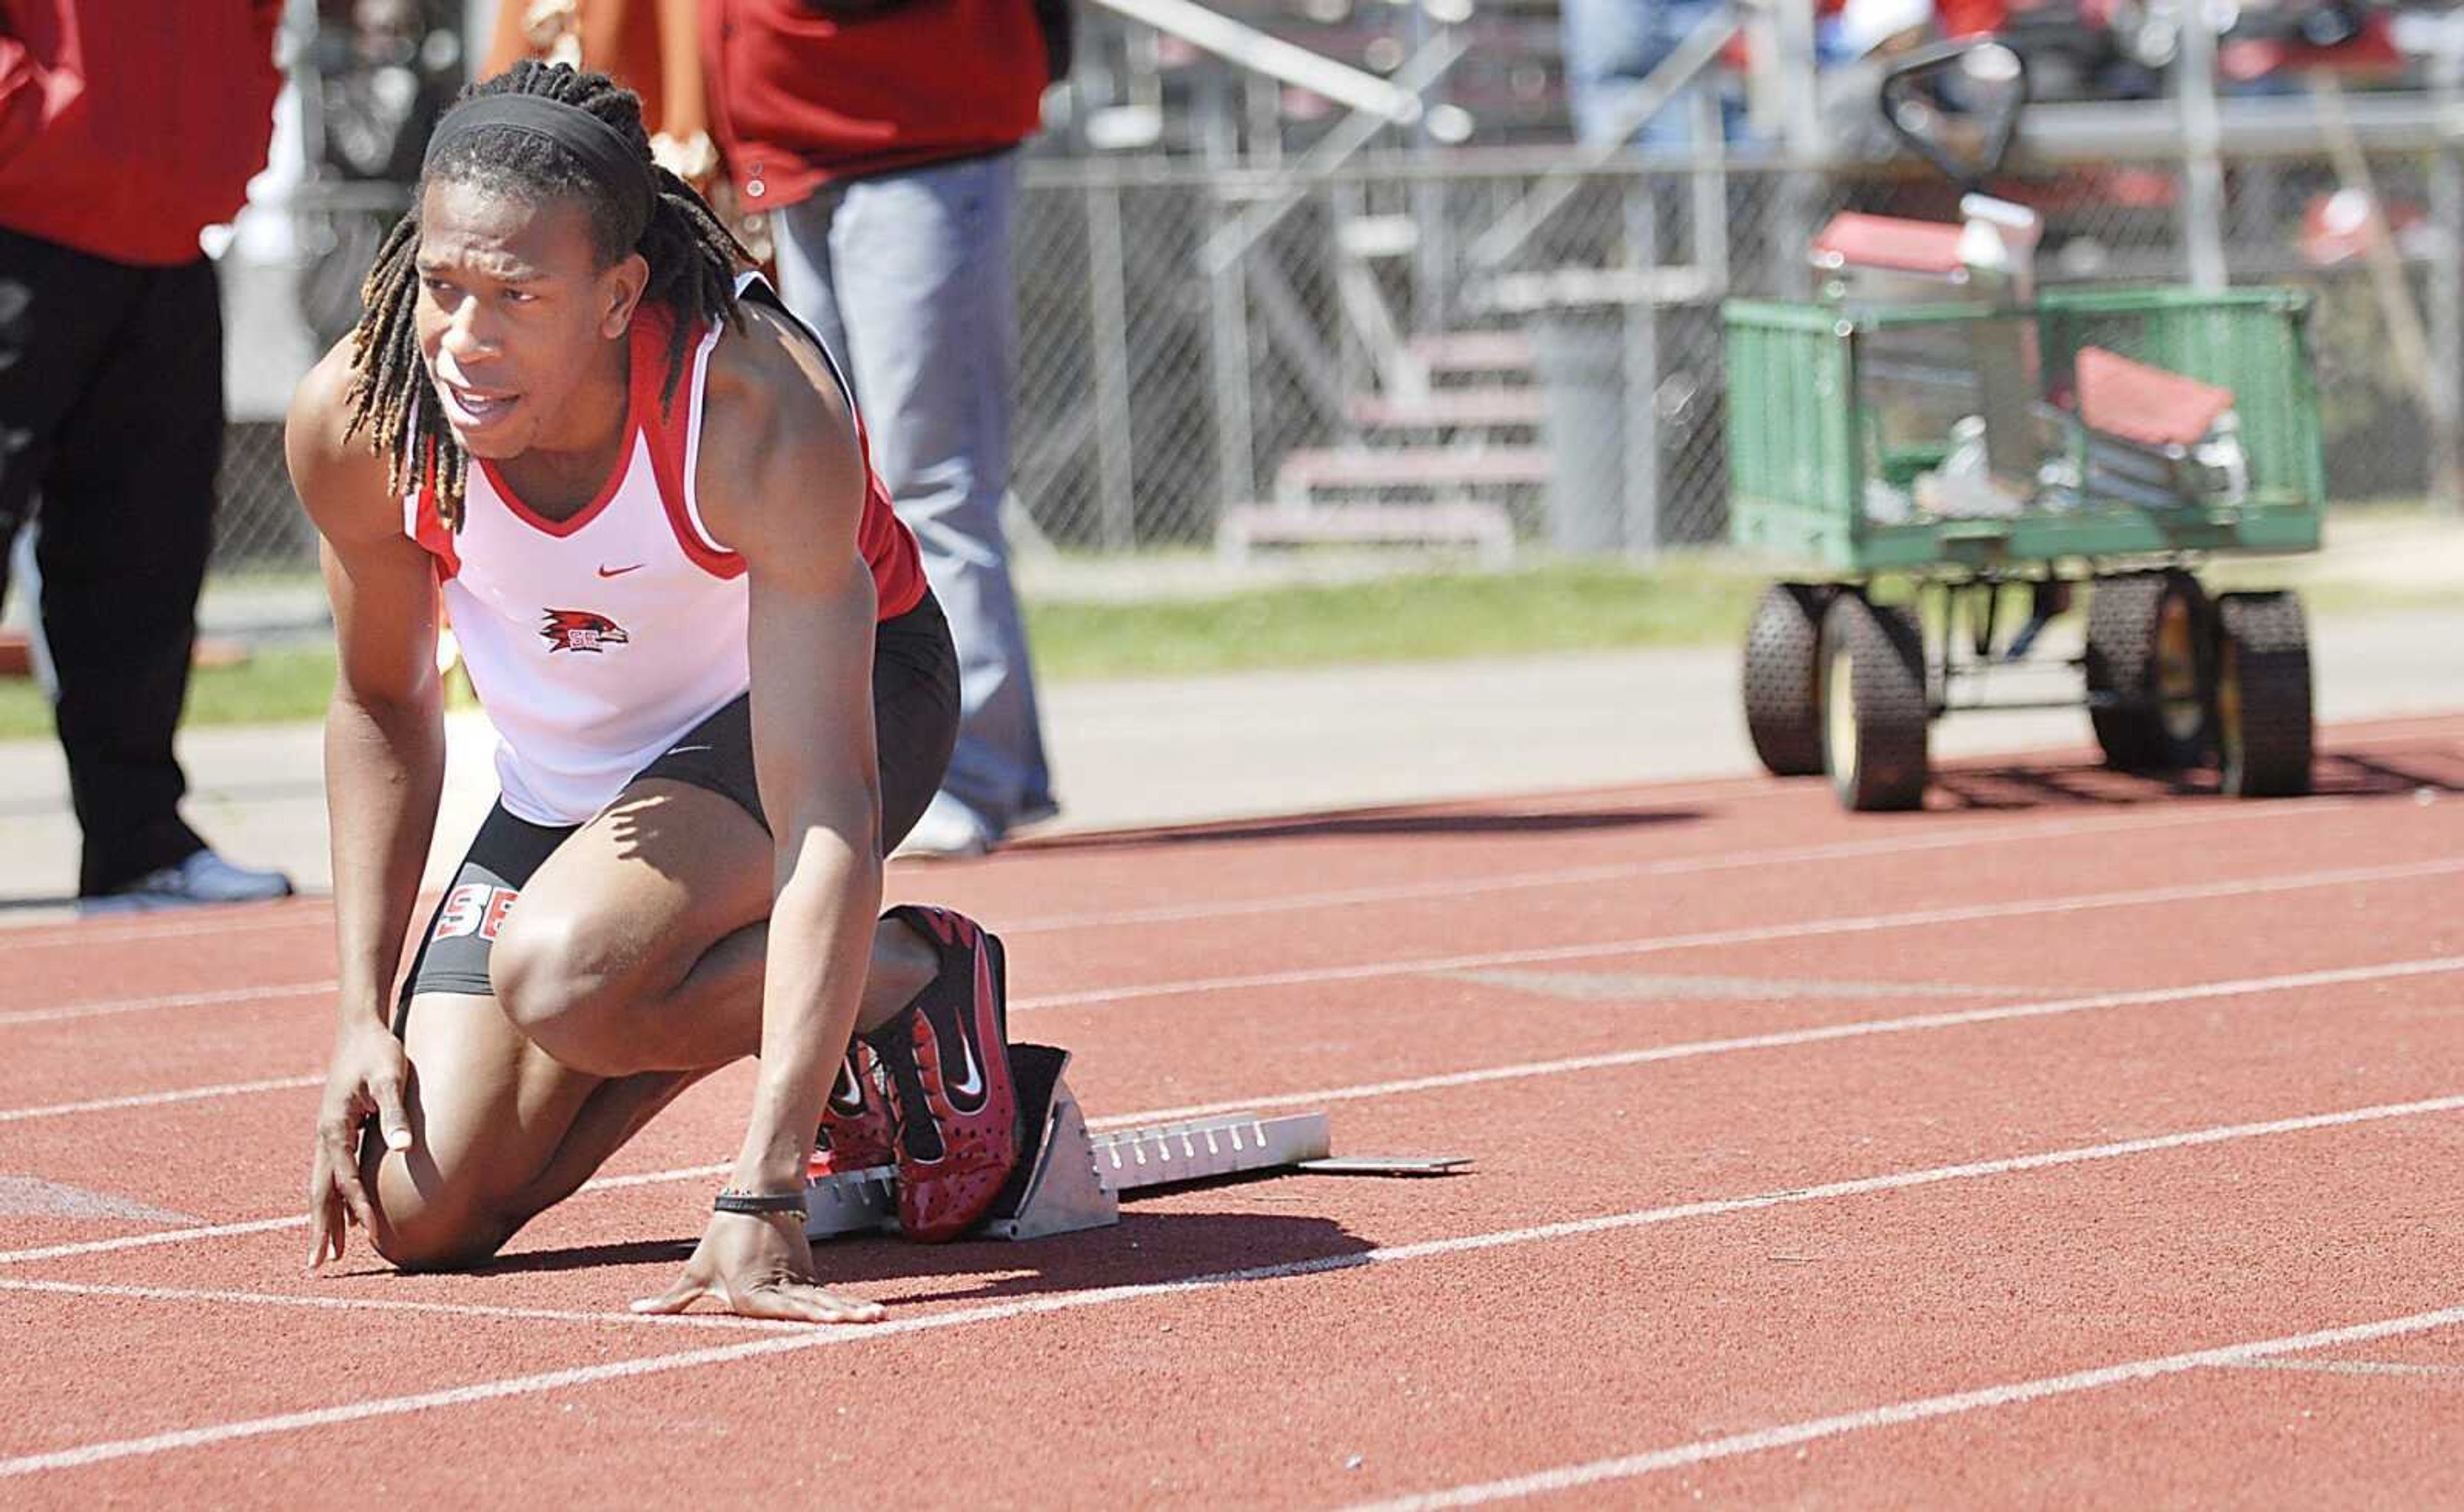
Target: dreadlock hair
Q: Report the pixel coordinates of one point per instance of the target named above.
(692, 259)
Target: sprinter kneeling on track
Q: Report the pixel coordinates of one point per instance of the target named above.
(723, 691)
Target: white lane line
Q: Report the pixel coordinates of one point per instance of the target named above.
(1855, 1029)
(311, 911)
(1422, 966)
(451, 1309)
(186, 1094)
(300, 914)
(1360, 1092)
(1649, 945)
(2352, 1368)
(822, 1335)
(138, 1241)
(1953, 838)
(1712, 1208)
(300, 1220)
(106, 1007)
(1567, 1477)
(1290, 901)
(1675, 867)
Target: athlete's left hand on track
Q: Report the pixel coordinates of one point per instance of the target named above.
(758, 1265)
(365, 1080)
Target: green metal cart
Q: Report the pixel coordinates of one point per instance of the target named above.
(1842, 419)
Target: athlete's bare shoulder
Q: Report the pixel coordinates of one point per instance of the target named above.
(778, 449)
(340, 479)
(767, 372)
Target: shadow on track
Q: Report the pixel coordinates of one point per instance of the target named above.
(2082, 785)
(1146, 1249)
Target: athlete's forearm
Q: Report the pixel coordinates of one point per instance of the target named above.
(384, 771)
(820, 951)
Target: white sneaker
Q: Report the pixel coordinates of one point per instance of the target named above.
(948, 831)
(203, 878)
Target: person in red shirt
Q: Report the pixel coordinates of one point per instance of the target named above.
(127, 127)
(879, 139)
(1965, 19)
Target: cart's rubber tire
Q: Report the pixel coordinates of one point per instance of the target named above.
(2151, 670)
(2263, 716)
(1784, 677)
(1875, 709)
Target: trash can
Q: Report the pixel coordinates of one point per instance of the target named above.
(1595, 503)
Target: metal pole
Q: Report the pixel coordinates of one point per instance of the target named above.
(2203, 178)
(1799, 77)
(1108, 310)
(1355, 363)
(1640, 379)
(2447, 280)
(1228, 358)
(478, 25)
(1710, 180)
(1262, 100)
(1260, 53)
(1507, 236)
(1802, 73)
(1355, 131)
(1218, 125)
(1432, 249)
(2447, 334)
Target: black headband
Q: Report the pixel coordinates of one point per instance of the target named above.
(602, 149)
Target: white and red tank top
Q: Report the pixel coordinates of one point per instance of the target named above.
(595, 642)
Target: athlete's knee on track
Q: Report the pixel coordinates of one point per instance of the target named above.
(434, 1226)
(438, 1244)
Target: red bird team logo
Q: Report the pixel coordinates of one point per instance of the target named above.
(580, 630)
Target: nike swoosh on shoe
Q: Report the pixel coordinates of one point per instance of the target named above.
(967, 1093)
(970, 1086)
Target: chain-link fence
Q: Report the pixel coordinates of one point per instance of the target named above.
(1402, 350)
(1386, 341)
(281, 308)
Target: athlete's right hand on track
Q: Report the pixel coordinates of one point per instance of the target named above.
(366, 1076)
(758, 1265)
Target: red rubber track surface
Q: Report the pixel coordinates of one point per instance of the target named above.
(2078, 1141)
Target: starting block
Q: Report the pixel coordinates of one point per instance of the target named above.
(1069, 1179)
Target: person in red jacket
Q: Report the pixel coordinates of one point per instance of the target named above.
(127, 127)
(879, 139)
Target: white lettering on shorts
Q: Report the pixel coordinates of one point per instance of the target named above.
(475, 908)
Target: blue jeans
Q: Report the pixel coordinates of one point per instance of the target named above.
(907, 276)
(1611, 46)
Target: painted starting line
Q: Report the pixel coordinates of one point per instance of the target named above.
(820, 1336)
(1853, 1029)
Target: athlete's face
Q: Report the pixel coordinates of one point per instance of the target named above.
(513, 311)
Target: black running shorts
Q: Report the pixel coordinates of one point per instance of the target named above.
(915, 725)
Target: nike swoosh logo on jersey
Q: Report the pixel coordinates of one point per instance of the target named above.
(606, 570)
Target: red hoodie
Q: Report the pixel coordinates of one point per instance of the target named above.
(127, 126)
(798, 101)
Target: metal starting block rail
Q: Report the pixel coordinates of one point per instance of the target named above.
(1068, 1179)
